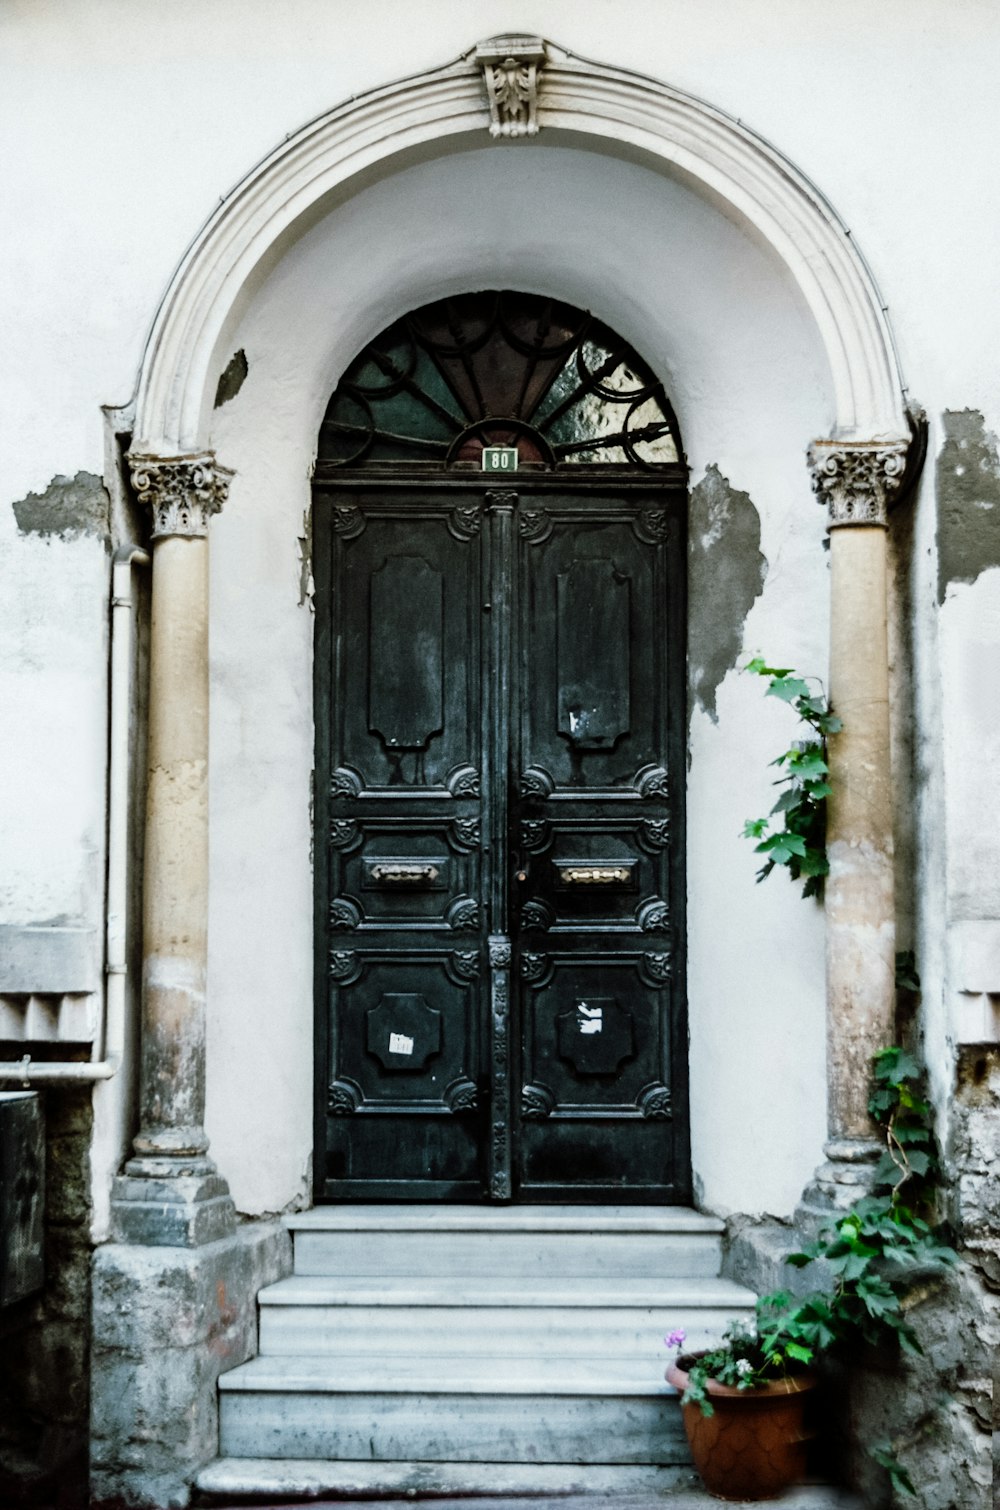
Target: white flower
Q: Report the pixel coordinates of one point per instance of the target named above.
(744, 1367)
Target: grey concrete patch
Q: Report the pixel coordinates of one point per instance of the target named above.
(232, 378)
(48, 960)
(166, 1323)
(69, 507)
(726, 572)
(968, 494)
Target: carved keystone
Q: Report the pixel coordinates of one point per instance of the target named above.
(511, 66)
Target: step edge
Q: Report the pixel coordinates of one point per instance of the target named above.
(374, 1298)
(670, 1220)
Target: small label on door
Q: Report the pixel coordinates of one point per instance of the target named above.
(589, 1019)
(400, 1044)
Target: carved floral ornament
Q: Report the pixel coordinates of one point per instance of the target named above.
(181, 492)
(511, 68)
(856, 479)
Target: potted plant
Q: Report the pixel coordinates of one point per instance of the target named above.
(743, 1405)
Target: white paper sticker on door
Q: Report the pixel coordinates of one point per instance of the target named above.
(400, 1044)
(590, 1019)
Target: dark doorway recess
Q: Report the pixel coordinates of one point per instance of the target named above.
(499, 686)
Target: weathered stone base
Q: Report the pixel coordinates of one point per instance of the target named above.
(166, 1322)
(180, 1211)
(845, 1177)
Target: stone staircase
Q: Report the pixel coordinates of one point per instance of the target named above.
(466, 1350)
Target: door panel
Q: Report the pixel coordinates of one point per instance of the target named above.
(592, 807)
(500, 950)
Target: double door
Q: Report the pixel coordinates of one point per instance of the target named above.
(499, 867)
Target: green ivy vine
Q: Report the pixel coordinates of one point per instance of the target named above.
(800, 843)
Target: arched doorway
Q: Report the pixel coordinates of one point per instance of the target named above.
(499, 693)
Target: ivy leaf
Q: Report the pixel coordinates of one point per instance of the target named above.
(807, 764)
(788, 688)
(754, 828)
(790, 798)
(798, 1352)
(760, 668)
(898, 1476)
(781, 847)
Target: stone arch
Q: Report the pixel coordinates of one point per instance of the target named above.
(580, 100)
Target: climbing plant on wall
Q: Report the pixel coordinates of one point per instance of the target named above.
(799, 843)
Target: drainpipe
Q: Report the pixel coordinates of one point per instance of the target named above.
(110, 1040)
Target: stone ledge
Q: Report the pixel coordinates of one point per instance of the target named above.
(465, 1486)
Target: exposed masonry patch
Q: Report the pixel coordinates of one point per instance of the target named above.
(232, 379)
(726, 572)
(968, 493)
(69, 507)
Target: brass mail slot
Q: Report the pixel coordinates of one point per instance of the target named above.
(399, 873)
(601, 873)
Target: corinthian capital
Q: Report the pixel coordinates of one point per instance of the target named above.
(181, 492)
(856, 478)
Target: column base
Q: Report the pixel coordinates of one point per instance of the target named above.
(163, 1203)
(847, 1176)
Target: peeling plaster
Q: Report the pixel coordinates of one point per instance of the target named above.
(232, 379)
(726, 572)
(305, 543)
(968, 492)
(69, 507)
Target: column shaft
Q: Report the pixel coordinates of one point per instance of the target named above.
(860, 906)
(175, 913)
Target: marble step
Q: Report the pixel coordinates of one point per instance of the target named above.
(532, 1242)
(399, 1484)
(479, 1408)
(352, 1315)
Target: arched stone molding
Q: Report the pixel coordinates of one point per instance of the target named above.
(621, 111)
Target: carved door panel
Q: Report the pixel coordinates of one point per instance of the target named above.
(499, 968)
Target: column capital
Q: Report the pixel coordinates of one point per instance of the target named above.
(181, 492)
(857, 478)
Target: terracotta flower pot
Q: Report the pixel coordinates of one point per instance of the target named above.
(754, 1446)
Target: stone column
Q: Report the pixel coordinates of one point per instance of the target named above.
(856, 479)
(171, 1193)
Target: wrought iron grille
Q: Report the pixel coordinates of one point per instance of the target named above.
(499, 369)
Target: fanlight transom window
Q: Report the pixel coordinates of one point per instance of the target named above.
(499, 369)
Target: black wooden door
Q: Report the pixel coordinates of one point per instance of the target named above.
(499, 856)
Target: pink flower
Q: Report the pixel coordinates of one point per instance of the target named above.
(675, 1338)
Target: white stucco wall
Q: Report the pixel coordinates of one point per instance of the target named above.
(124, 127)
